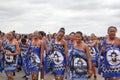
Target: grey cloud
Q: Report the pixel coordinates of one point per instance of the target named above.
(50, 15)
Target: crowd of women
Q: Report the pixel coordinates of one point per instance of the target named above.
(78, 56)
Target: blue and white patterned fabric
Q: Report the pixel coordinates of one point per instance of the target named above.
(111, 62)
(35, 58)
(48, 43)
(1, 60)
(70, 48)
(93, 52)
(58, 59)
(10, 61)
(25, 58)
(47, 60)
(78, 65)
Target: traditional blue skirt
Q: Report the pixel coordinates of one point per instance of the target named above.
(111, 62)
(78, 65)
(59, 62)
(25, 63)
(1, 60)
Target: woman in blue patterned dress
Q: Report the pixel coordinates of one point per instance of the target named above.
(92, 44)
(80, 60)
(42, 36)
(111, 55)
(71, 43)
(36, 56)
(59, 53)
(24, 53)
(1, 56)
(19, 61)
(11, 51)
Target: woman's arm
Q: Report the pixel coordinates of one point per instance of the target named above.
(66, 49)
(89, 60)
(17, 49)
(42, 51)
(93, 44)
(66, 53)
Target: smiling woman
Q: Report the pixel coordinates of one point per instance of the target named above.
(110, 51)
(59, 52)
(11, 51)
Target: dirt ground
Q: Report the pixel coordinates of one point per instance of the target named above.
(20, 74)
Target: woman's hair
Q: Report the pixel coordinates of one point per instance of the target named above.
(72, 33)
(42, 33)
(62, 30)
(112, 27)
(78, 32)
(0, 32)
(23, 40)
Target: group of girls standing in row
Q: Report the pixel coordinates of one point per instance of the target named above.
(74, 55)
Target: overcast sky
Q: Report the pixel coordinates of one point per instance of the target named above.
(88, 16)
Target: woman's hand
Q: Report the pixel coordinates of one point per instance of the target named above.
(66, 68)
(41, 65)
(90, 73)
(8, 53)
